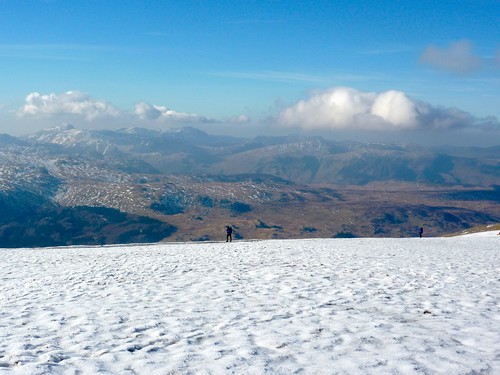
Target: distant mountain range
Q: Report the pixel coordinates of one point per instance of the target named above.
(69, 186)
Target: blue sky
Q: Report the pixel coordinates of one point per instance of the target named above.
(424, 69)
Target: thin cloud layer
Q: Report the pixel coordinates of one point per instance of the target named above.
(69, 103)
(344, 108)
(459, 57)
(241, 119)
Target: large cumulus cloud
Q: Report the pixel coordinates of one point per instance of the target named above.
(344, 108)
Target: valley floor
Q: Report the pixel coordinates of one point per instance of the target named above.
(335, 306)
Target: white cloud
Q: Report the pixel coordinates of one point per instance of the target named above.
(80, 105)
(147, 111)
(69, 103)
(395, 108)
(347, 108)
(350, 109)
(459, 57)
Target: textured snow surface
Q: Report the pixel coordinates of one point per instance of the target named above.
(340, 306)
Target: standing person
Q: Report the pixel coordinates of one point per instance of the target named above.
(421, 232)
(229, 233)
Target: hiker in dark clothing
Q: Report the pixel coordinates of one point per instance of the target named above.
(229, 234)
(421, 232)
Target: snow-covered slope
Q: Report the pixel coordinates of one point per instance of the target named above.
(357, 306)
(490, 233)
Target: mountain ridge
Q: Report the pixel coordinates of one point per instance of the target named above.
(191, 183)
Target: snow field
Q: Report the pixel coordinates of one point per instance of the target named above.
(353, 306)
